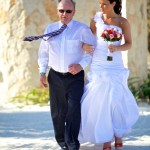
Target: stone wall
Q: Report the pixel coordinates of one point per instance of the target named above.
(85, 10)
(20, 18)
(18, 59)
(148, 22)
(136, 13)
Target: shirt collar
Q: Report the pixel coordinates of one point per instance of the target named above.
(69, 25)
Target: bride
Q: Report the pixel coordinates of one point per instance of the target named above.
(108, 107)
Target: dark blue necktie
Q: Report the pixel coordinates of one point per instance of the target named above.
(49, 35)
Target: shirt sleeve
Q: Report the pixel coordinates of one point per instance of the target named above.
(88, 38)
(43, 55)
(86, 60)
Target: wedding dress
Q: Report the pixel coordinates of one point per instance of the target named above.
(108, 107)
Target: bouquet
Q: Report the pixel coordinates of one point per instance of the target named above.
(111, 35)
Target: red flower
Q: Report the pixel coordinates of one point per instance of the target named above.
(103, 35)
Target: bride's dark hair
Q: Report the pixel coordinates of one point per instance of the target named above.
(117, 7)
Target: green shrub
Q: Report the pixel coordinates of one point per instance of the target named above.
(34, 96)
(140, 89)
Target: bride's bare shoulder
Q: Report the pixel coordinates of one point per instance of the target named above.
(123, 21)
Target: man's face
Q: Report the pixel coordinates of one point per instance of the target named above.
(65, 12)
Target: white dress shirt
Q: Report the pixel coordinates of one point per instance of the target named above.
(65, 49)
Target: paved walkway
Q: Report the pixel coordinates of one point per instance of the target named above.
(30, 128)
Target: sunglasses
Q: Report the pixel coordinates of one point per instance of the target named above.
(67, 11)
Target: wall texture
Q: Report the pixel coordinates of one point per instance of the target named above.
(137, 55)
(148, 22)
(18, 59)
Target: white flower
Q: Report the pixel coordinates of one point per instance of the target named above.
(118, 35)
(105, 32)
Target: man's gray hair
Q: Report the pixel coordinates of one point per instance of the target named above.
(72, 1)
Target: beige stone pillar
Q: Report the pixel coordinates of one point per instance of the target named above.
(85, 10)
(136, 58)
(148, 21)
(18, 59)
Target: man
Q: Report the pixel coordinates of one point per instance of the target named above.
(64, 54)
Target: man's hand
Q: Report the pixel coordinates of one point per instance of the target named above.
(43, 80)
(75, 68)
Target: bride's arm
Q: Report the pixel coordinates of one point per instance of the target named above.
(87, 47)
(93, 27)
(127, 35)
(127, 38)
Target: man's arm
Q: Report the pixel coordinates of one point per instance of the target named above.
(88, 38)
(43, 58)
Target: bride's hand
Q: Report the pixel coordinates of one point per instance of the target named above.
(112, 48)
(88, 48)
